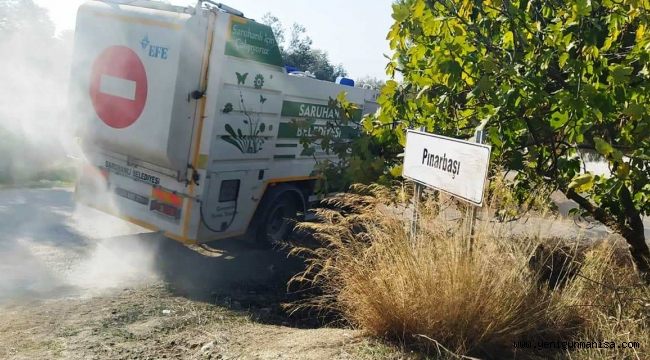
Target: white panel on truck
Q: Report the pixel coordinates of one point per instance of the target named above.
(134, 71)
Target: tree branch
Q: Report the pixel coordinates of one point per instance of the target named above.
(597, 212)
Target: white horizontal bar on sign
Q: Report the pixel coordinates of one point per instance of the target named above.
(111, 85)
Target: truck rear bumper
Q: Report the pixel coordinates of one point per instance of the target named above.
(133, 196)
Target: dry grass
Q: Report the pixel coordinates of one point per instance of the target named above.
(615, 305)
(431, 291)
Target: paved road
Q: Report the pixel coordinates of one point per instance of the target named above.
(564, 205)
(51, 247)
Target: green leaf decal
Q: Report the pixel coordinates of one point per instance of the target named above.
(230, 130)
(228, 139)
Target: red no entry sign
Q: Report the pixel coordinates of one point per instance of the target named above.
(118, 86)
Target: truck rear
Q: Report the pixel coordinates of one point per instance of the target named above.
(188, 119)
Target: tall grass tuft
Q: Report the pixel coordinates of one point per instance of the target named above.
(429, 289)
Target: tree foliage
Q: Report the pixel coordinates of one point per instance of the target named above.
(24, 16)
(34, 69)
(299, 53)
(359, 157)
(549, 79)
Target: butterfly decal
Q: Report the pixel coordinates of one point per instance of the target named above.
(241, 78)
(262, 99)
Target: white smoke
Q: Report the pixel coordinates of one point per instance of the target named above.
(34, 67)
(49, 245)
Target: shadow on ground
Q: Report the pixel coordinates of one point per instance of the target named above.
(240, 276)
(52, 248)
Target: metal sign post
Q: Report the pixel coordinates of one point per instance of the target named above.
(417, 194)
(456, 167)
(479, 138)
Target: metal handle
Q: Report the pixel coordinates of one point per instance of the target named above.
(223, 7)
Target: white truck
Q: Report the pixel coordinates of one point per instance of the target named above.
(189, 120)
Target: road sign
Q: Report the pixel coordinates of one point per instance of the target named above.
(118, 86)
(454, 166)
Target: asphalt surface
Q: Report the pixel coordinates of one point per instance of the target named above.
(51, 247)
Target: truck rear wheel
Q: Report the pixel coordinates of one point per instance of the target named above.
(280, 213)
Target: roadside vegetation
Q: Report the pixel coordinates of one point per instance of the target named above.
(555, 85)
(34, 129)
(434, 291)
(548, 81)
(26, 164)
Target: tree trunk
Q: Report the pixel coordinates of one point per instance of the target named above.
(630, 227)
(640, 254)
(635, 237)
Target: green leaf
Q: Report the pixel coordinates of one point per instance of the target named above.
(623, 170)
(582, 183)
(620, 75)
(559, 119)
(489, 65)
(400, 12)
(617, 155)
(485, 83)
(635, 111)
(508, 40)
(367, 124)
(424, 88)
(603, 147)
(401, 138)
(563, 59)
(582, 7)
(495, 138)
(308, 151)
(451, 67)
(396, 171)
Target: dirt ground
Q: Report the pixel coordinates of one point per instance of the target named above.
(78, 284)
(152, 323)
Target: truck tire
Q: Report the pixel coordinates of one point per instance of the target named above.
(279, 214)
